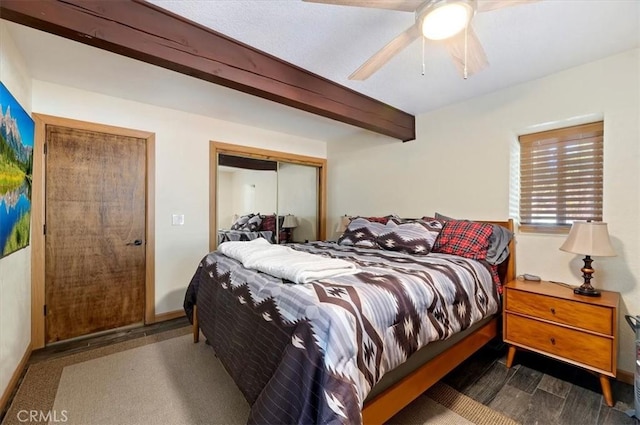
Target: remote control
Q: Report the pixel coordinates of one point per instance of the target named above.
(531, 277)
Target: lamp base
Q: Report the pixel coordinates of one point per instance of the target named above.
(587, 290)
(587, 273)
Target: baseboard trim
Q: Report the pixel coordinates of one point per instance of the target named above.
(624, 376)
(15, 378)
(169, 315)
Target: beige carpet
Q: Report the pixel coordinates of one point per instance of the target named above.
(166, 379)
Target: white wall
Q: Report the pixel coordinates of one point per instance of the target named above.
(15, 269)
(460, 166)
(182, 170)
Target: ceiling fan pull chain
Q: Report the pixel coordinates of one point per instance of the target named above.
(466, 38)
(423, 67)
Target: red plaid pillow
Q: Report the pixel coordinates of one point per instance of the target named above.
(467, 239)
(268, 223)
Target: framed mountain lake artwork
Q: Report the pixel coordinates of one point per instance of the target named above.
(16, 163)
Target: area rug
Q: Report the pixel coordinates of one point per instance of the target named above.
(166, 379)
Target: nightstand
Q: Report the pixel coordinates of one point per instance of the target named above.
(550, 319)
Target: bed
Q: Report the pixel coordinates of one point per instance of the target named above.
(333, 350)
(253, 226)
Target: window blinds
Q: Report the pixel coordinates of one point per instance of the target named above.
(561, 177)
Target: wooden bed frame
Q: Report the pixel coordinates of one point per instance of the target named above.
(399, 395)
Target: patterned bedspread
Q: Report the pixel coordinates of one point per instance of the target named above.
(244, 235)
(311, 353)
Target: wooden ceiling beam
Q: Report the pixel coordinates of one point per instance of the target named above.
(148, 33)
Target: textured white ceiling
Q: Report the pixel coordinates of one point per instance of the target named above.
(522, 43)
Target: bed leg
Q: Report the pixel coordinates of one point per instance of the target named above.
(196, 326)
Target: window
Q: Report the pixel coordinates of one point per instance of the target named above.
(561, 177)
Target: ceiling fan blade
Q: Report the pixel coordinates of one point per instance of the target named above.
(476, 57)
(402, 5)
(383, 55)
(488, 5)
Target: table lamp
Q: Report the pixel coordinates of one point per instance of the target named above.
(342, 224)
(588, 238)
(290, 222)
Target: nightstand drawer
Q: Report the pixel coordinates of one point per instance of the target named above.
(581, 347)
(586, 316)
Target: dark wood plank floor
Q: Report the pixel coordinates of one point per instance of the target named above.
(538, 390)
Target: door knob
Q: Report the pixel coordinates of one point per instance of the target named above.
(137, 242)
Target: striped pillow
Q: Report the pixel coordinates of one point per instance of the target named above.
(241, 222)
(361, 232)
(415, 237)
(253, 224)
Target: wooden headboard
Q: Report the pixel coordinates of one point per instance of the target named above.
(506, 270)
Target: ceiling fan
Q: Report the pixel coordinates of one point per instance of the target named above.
(448, 20)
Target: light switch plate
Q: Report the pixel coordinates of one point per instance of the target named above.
(177, 219)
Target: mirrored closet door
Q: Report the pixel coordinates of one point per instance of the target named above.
(247, 187)
(258, 193)
(298, 200)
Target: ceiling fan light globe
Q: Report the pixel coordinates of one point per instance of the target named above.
(446, 20)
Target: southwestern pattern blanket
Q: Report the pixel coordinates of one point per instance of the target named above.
(310, 353)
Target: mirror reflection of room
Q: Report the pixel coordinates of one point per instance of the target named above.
(259, 198)
(247, 198)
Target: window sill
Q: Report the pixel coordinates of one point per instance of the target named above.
(545, 229)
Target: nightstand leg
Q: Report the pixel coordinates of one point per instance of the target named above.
(606, 390)
(510, 355)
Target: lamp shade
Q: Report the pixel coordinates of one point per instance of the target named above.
(342, 224)
(589, 238)
(290, 221)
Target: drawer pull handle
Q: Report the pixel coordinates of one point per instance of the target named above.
(553, 311)
(553, 341)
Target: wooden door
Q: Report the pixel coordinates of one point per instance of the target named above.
(95, 232)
